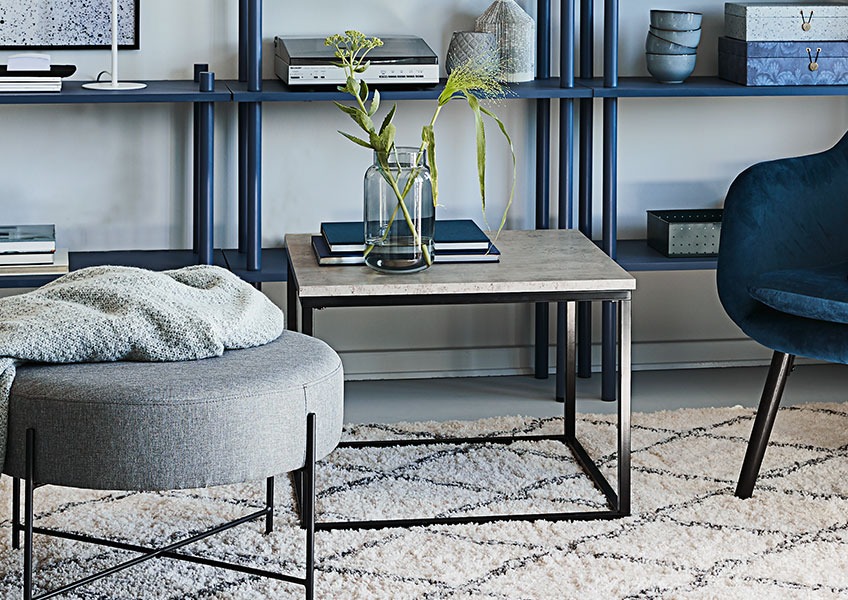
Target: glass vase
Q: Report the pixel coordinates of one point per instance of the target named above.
(399, 214)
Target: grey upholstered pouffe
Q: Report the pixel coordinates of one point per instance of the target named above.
(172, 425)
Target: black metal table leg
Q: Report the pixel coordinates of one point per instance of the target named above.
(624, 398)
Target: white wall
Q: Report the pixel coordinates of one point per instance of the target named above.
(116, 177)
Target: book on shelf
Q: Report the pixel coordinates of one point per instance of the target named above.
(27, 258)
(326, 256)
(24, 83)
(451, 234)
(27, 238)
(59, 266)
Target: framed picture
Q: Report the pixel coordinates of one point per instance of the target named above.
(66, 24)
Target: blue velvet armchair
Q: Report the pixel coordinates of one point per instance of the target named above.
(783, 272)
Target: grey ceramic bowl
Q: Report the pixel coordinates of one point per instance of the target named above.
(655, 45)
(670, 68)
(676, 19)
(688, 37)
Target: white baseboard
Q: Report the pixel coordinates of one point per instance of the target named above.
(476, 362)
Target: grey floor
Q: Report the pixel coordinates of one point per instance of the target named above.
(478, 397)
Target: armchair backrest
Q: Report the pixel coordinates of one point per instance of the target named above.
(782, 214)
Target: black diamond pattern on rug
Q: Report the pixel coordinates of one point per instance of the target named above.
(688, 537)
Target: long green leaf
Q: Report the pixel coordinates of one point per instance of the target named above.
(350, 110)
(359, 117)
(388, 119)
(428, 136)
(363, 120)
(375, 103)
(356, 140)
(352, 86)
(387, 138)
(480, 137)
(514, 166)
(363, 91)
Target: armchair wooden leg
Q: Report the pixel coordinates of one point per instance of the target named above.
(781, 365)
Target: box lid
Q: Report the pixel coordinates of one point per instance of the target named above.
(782, 10)
(824, 50)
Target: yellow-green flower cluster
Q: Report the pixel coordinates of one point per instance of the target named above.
(352, 47)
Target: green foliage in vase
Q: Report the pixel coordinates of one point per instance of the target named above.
(473, 81)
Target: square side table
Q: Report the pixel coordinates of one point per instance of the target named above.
(561, 266)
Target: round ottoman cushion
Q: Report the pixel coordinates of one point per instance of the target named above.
(174, 425)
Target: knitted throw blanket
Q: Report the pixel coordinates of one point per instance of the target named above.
(124, 313)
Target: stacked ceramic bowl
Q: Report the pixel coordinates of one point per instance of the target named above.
(672, 44)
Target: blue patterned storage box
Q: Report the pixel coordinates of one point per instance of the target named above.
(783, 63)
(783, 22)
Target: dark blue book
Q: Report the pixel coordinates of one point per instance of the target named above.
(451, 234)
(326, 256)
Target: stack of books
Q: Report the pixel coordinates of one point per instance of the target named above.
(456, 241)
(31, 250)
(33, 73)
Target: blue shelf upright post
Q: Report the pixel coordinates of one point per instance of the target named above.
(242, 129)
(204, 150)
(250, 134)
(610, 201)
(566, 178)
(584, 170)
(195, 244)
(543, 169)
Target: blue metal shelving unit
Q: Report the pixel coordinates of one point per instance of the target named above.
(203, 93)
(636, 255)
(249, 92)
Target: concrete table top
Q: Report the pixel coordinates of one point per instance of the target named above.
(554, 261)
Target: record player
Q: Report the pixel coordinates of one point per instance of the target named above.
(401, 60)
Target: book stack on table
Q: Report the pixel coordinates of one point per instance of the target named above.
(456, 241)
(31, 250)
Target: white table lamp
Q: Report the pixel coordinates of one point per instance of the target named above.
(114, 84)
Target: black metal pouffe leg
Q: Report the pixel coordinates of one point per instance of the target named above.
(16, 513)
(309, 505)
(269, 504)
(781, 365)
(29, 486)
(170, 551)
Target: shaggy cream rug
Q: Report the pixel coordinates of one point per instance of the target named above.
(688, 537)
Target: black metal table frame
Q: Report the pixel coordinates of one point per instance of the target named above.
(618, 502)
